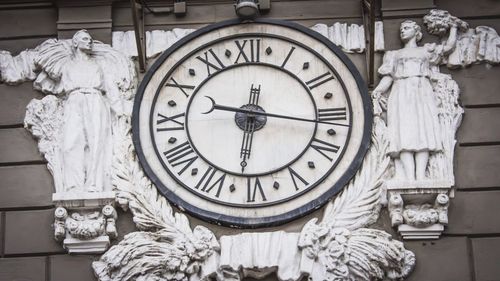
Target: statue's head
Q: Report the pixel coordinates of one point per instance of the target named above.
(410, 29)
(83, 41)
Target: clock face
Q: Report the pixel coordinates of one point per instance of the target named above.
(251, 124)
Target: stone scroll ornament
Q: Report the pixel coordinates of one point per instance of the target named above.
(88, 87)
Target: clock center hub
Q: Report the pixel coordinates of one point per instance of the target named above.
(249, 121)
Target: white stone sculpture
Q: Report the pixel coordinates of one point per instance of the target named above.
(351, 38)
(421, 115)
(339, 247)
(89, 87)
(481, 44)
(157, 41)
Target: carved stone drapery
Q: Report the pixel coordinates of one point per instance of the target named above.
(350, 37)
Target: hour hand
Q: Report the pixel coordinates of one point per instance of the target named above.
(246, 144)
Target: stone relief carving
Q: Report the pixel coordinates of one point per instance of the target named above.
(338, 247)
(89, 87)
(421, 114)
(156, 41)
(351, 38)
(473, 45)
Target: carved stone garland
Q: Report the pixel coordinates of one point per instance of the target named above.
(338, 247)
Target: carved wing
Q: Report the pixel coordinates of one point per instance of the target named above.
(116, 66)
(134, 190)
(359, 204)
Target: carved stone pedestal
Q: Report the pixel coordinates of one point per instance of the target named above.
(418, 209)
(85, 221)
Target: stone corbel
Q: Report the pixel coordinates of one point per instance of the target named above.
(85, 222)
(420, 213)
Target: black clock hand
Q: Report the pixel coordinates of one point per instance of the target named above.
(246, 145)
(248, 111)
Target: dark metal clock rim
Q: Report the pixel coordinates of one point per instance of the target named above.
(213, 42)
(186, 125)
(233, 205)
(163, 81)
(241, 118)
(303, 210)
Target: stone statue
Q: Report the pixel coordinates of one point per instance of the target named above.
(89, 88)
(412, 113)
(93, 84)
(86, 132)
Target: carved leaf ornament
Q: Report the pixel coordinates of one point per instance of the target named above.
(165, 247)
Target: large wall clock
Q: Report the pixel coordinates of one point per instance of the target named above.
(251, 124)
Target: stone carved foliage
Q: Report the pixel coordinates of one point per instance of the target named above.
(165, 248)
(474, 45)
(337, 248)
(340, 245)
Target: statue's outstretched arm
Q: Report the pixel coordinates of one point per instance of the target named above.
(452, 40)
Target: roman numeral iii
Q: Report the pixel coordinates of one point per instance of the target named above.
(332, 114)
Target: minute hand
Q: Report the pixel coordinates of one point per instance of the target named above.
(242, 110)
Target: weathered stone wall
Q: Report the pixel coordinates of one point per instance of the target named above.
(470, 246)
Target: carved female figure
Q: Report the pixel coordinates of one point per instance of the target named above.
(412, 115)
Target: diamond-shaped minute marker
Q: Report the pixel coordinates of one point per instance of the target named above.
(328, 95)
(311, 164)
(172, 103)
(192, 72)
(227, 53)
(276, 185)
(232, 188)
(172, 140)
(331, 132)
(306, 65)
(194, 171)
(269, 50)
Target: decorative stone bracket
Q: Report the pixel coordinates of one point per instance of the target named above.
(85, 222)
(419, 213)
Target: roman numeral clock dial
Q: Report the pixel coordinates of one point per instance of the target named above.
(251, 124)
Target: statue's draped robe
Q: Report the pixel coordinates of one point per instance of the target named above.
(412, 115)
